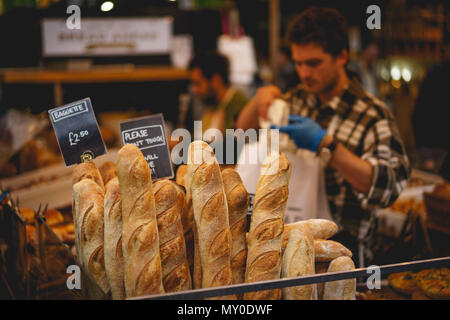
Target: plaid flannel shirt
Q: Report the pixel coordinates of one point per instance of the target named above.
(367, 128)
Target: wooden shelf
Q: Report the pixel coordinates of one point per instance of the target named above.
(127, 74)
(58, 78)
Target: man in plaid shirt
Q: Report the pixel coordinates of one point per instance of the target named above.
(368, 166)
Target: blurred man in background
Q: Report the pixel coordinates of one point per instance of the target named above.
(332, 116)
(209, 78)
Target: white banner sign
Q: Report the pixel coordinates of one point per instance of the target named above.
(107, 36)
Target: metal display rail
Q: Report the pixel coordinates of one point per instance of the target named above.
(303, 280)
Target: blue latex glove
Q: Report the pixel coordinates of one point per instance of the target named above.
(305, 132)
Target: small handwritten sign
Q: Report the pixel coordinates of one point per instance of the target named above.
(77, 132)
(148, 134)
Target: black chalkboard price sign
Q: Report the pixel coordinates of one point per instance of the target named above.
(77, 132)
(148, 134)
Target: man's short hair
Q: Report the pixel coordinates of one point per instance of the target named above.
(325, 27)
(211, 63)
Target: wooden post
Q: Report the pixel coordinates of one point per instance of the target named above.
(274, 37)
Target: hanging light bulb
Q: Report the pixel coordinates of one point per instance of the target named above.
(395, 73)
(107, 6)
(406, 74)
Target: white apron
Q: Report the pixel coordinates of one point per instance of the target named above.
(307, 193)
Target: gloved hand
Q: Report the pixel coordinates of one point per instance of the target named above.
(305, 132)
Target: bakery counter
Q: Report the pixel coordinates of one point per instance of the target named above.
(51, 186)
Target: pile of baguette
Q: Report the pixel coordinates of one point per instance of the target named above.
(136, 237)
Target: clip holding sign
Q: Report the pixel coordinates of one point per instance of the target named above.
(87, 156)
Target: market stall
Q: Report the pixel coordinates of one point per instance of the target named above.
(134, 194)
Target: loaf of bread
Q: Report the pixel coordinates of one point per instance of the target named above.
(266, 227)
(210, 216)
(107, 171)
(28, 214)
(327, 250)
(320, 228)
(88, 199)
(181, 175)
(53, 217)
(169, 200)
(114, 263)
(140, 239)
(65, 232)
(298, 260)
(87, 170)
(341, 289)
(238, 201)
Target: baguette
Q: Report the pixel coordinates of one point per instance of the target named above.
(298, 260)
(320, 228)
(107, 171)
(210, 216)
(169, 201)
(87, 170)
(140, 240)
(114, 263)
(341, 289)
(237, 200)
(181, 175)
(327, 250)
(266, 227)
(88, 200)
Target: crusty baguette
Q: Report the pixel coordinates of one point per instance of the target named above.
(210, 216)
(113, 239)
(181, 175)
(327, 250)
(169, 200)
(341, 289)
(237, 200)
(320, 228)
(87, 170)
(140, 240)
(321, 267)
(107, 171)
(88, 199)
(266, 227)
(298, 260)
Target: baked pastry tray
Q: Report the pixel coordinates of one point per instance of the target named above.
(51, 186)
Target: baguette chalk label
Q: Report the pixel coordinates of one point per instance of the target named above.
(77, 132)
(148, 134)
